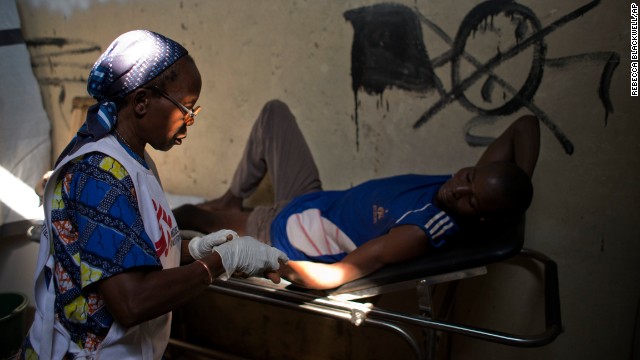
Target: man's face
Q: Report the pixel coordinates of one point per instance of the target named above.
(472, 193)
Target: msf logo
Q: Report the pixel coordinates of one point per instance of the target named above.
(165, 224)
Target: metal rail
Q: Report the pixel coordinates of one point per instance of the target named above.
(366, 314)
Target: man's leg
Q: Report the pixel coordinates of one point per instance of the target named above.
(276, 145)
(194, 217)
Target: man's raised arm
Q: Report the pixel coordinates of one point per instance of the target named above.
(519, 143)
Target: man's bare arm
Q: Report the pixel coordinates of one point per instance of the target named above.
(519, 143)
(402, 243)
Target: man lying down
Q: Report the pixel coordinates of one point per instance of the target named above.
(333, 237)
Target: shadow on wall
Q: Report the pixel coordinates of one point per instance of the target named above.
(388, 51)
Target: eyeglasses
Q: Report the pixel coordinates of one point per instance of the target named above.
(189, 115)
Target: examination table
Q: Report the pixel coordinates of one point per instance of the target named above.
(463, 258)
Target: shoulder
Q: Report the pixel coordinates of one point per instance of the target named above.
(96, 163)
(93, 174)
(405, 180)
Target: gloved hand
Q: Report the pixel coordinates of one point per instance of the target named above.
(248, 256)
(201, 246)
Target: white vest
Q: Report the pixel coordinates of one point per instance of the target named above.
(144, 341)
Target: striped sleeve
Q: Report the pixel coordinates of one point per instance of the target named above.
(436, 224)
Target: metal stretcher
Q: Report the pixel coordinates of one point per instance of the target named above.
(464, 258)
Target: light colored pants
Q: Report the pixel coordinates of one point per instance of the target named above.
(276, 145)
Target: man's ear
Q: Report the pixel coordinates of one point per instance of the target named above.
(140, 102)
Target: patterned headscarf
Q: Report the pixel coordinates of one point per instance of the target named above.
(132, 60)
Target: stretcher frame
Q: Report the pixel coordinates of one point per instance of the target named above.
(469, 257)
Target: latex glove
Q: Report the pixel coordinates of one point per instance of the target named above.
(249, 256)
(201, 246)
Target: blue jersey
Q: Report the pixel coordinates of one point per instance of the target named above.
(326, 225)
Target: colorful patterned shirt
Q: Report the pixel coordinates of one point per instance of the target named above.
(97, 233)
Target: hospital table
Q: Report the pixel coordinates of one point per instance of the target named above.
(464, 258)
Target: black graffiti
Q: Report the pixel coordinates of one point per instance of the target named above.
(611, 61)
(387, 50)
(372, 53)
